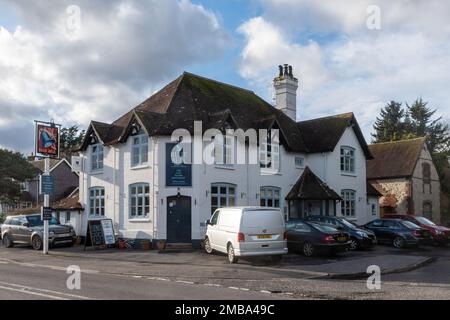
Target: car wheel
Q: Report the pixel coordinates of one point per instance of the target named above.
(7, 241)
(353, 245)
(208, 247)
(307, 249)
(398, 242)
(231, 255)
(36, 243)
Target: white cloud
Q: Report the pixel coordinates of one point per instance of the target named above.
(342, 65)
(123, 51)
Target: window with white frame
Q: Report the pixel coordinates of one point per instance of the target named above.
(222, 195)
(139, 200)
(97, 157)
(223, 150)
(374, 209)
(347, 160)
(97, 201)
(269, 152)
(139, 152)
(299, 162)
(348, 203)
(270, 197)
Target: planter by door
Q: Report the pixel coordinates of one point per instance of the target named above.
(179, 219)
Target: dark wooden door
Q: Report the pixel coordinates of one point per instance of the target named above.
(179, 219)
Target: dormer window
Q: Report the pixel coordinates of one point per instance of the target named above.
(97, 157)
(347, 160)
(269, 153)
(139, 153)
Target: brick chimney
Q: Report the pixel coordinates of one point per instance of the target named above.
(286, 91)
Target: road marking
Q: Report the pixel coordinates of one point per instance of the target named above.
(46, 291)
(212, 285)
(265, 291)
(33, 293)
(187, 282)
(233, 288)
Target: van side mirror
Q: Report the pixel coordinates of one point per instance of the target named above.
(208, 222)
(26, 224)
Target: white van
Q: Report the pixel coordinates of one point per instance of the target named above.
(246, 231)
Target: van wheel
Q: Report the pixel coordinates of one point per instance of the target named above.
(231, 256)
(398, 242)
(7, 241)
(36, 243)
(307, 249)
(208, 247)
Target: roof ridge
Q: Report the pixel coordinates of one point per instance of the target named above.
(398, 141)
(216, 81)
(328, 117)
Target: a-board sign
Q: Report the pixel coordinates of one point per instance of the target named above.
(99, 234)
(46, 213)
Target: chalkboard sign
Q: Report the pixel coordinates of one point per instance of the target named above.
(99, 234)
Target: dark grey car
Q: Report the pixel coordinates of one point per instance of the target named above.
(29, 229)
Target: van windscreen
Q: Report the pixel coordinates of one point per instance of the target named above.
(255, 219)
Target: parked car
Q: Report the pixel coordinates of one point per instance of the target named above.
(439, 234)
(245, 232)
(399, 233)
(359, 238)
(311, 238)
(28, 230)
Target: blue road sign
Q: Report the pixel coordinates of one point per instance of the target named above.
(47, 184)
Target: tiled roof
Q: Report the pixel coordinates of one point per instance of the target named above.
(394, 159)
(372, 191)
(192, 98)
(323, 134)
(310, 187)
(69, 203)
(40, 164)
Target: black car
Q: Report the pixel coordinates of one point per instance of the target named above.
(398, 232)
(359, 238)
(312, 238)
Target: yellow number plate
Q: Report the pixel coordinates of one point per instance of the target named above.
(265, 236)
(342, 239)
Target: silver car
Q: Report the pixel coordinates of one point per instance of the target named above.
(28, 230)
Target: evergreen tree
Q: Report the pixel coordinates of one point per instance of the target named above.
(422, 124)
(71, 139)
(389, 126)
(14, 169)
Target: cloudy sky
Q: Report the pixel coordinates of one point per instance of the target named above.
(79, 60)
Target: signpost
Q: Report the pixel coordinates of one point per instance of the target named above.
(47, 146)
(99, 234)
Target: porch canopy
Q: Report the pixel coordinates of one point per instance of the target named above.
(311, 196)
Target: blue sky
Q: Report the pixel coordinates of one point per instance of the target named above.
(122, 51)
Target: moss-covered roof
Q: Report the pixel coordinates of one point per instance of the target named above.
(394, 159)
(323, 134)
(192, 98)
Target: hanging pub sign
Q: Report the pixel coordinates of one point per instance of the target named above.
(178, 165)
(47, 139)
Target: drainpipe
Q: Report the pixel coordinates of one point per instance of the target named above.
(155, 202)
(114, 187)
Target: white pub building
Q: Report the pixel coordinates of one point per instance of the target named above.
(128, 173)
